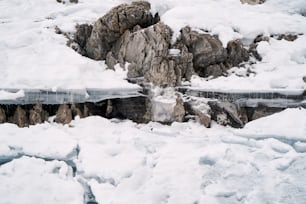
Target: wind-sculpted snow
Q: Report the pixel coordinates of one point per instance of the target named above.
(124, 162)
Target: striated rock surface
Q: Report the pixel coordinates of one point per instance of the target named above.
(109, 28)
(37, 115)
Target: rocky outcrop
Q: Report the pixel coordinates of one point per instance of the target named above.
(37, 115)
(253, 2)
(109, 28)
(146, 51)
(210, 58)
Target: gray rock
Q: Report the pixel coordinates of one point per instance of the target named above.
(253, 2)
(37, 115)
(260, 112)
(147, 52)
(64, 114)
(2, 116)
(236, 53)
(82, 34)
(20, 117)
(179, 110)
(108, 29)
(225, 113)
(206, 49)
(137, 109)
(200, 110)
(304, 79)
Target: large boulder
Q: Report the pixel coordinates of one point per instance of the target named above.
(206, 49)
(109, 28)
(147, 52)
(210, 58)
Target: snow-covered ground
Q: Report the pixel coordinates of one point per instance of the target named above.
(124, 162)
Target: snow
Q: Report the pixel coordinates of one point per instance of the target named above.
(125, 162)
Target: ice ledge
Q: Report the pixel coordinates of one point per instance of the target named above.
(61, 96)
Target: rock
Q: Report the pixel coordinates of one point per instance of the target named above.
(77, 110)
(37, 115)
(199, 109)
(260, 112)
(288, 37)
(82, 34)
(147, 51)
(206, 49)
(63, 115)
(304, 79)
(183, 63)
(2, 116)
(236, 53)
(136, 109)
(253, 46)
(178, 113)
(253, 2)
(225, 113)
(108, 29)
(20, 117)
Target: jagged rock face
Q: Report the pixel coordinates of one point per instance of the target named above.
(20, 117)
(37, 115)
(206, 49)
(2, 116)
(147, 52)
(225, 113)
(108, 29)
(210, 58)
(64, 114)
(253, 2)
